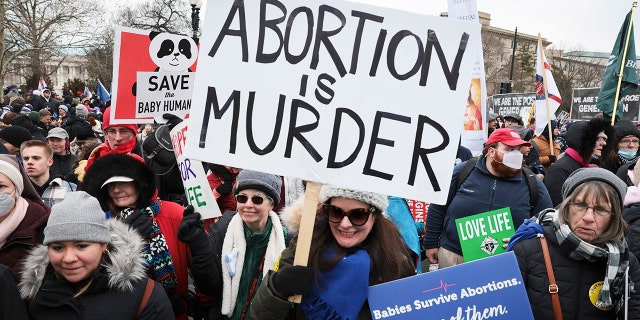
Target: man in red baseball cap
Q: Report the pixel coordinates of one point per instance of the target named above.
(495, 181)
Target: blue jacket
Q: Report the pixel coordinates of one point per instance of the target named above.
(480, 192)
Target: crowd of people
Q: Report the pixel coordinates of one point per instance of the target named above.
(94, 223)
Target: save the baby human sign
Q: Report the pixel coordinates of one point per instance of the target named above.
(338, 93)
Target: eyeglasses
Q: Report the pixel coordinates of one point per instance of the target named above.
(601, 139)
(357, 217)
(630, 141)
(243, 198)
(581, 208)
(122, 132)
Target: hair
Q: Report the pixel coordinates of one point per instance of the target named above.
(44, 113)
(37, 143)
(486, 148)
(601, 192)
(8, 117)
(391, 259)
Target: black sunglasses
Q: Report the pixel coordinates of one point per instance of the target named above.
(357, 217)
(243, 198)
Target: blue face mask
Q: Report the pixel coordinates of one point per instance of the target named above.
(6, 203)
(627, 154)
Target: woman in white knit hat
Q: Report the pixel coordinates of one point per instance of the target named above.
(90, 268)
(23, 215)
(354, 246)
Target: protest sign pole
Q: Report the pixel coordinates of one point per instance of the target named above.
(311, 195)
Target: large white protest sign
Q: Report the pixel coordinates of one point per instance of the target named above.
(341, 93)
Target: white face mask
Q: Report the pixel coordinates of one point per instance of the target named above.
(7, 201)
(513, 159)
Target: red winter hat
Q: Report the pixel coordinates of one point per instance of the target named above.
(106, 122)
(507, 136)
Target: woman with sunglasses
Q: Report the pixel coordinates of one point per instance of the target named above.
(242, 246)
(354, 246)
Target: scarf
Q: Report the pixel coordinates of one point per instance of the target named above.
(576, 156)
(347, 281)
(13, 220)
(105, 148)
(616, 253)
(155, 251)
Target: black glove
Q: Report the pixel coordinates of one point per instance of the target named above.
(140, 222)
(552, 158)
(172, 120)
(292, 280)
(191, 229)
(178, 304)
(225, 188)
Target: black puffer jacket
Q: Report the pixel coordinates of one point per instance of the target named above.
(574, 279)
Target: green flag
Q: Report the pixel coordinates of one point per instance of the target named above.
(629, 83)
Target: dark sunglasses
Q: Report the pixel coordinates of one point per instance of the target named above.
(243, 198)
(357, 217)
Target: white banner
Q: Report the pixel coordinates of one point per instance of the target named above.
(163, 92)
(344, 93)
(474, 134)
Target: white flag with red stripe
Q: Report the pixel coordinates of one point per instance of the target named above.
(553, 94)
(41, 84)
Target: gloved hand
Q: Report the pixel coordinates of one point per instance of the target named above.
(292, 280)
(141, 223)
(225, 188)
(191, 229)
(172, 120)
(178, 304)
(552, 158)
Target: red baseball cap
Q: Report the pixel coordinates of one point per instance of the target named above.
(507, 136)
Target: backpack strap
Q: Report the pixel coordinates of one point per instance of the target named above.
(145, 297)
(465, 171)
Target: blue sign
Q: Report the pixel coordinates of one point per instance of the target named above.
(489, 288)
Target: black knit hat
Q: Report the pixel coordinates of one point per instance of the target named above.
(15, 135)
(111, 165)
(625, 128)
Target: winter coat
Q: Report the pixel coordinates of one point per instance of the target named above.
(545, 151)
(75, 125)
(62, 165)
(558, 172)
(28, 234)
(574, 279)
(11, 306)
(480, 192)
(206, 265)
(115, 292)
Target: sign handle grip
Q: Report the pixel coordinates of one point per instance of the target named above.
(311, 195)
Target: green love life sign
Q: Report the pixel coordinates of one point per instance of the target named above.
(481, 234)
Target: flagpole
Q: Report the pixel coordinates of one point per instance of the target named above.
(624, 59)
(546, 95)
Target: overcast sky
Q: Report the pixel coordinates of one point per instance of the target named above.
(591, 24)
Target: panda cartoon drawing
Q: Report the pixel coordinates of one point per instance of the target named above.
(171, 52)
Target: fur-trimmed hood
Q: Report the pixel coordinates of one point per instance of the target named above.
(582, 136)
(123, 263)
(291, 215)
(131, 166)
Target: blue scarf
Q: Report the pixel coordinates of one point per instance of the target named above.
(343, 290)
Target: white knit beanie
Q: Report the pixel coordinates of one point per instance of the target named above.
(77, 218)
(11, 172)
(381, 202)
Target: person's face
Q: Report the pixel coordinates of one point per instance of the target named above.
(76, 260)
(45, 119)
(123, 194)
(148, 128)
(493, 124)
(58, 145)
(590, 224)
(12, 149)
(61, 112)
(556, 132)
(525, 150)
(253, 214)
(46, 94)
(601, 142)
(496, 157)
(233, 170)
(508, 122)
(117, 135)
(36, 162)
(629, 142)
(6, 186)
(346, 234)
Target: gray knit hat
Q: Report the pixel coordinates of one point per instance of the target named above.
(81, 110)
(377, 200)
(77, 218)
(586, 174)
(266, 182)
